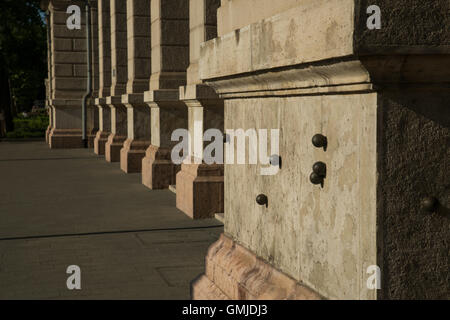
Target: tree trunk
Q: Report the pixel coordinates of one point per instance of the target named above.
(12, 100)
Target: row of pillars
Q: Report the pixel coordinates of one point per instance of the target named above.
(147, 85)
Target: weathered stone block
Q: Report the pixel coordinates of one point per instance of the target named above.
(200, 190)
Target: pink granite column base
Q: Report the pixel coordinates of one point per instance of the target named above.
(100, 141)
(158, 170)
(131, 155)
(113, 147)
(47, 134)
(233, 272)
(200, 190)
(91, 138)
(65, 139)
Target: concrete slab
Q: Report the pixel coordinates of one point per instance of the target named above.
(70, 207)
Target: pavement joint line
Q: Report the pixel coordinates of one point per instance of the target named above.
(106, 232)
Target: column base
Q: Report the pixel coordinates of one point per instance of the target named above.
(100, 141)
(158, 170)
(200, 190)
(91, 139)
(47, 134)
(113, 147)
(131, 155)
(233, 272)
(65, 139)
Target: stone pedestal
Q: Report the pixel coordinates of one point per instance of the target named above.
(131, 155)
(104, 112)
(66, 129)
(65, 139)
(100, 141)
(118, 129)
(200, 185)
(91, 134)
(93, 124)
(200, 190)
(158, 170)
(167, 115)
(47, 134)
(138, 137)
(50, 125)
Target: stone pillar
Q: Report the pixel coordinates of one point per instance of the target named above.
(68, 78)
(368, 197)
(139, 65)
(200, 185)
(119, 67)
(48, 108)
(48, 81)
(170, 59)
(92, 111)
(104, 51)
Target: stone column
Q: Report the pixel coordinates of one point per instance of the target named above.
(358, 206)
(48, 108)
(104, 51)
(68, 80)
(48, 81)
(170, 59)
(200, 185)
(92, 111)
(118, 26)
(139, 65)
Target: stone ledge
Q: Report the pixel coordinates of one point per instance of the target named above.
(161, 95)
(100, 101)
(114, 100)
(321, 30)
(315, 30)
(197, 92)
(133, 98)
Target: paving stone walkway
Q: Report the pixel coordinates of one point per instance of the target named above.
(70, 207)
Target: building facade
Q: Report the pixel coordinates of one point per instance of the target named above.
(327, 120)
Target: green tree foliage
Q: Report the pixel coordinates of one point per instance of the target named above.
(23, 48)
